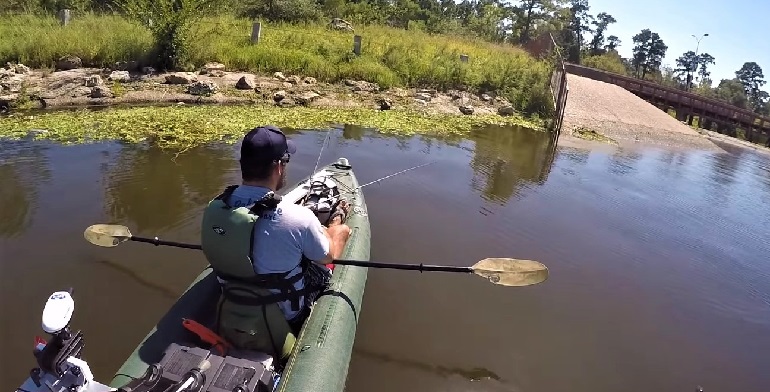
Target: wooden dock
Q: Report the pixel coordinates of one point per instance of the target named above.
(713, 114)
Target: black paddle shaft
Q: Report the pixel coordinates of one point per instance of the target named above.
(411, 267)
(155, 241)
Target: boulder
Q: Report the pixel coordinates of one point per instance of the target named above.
(309, 80)
(213, 66)
(455, 95)
(279, 96)
(423, 96)
(217, 73)
(280, 76)
(506, 110)
(486, 97)
(306, 98)
(101, 92)
(502, 101)
(360, 85)
(67, 63)
(246, 82)
(12, 84)
(203, 87)
(179, 78)
(148, 70)
(94, 80)
(119, 76)
(81, 91)
(466, 109)
(294, 79)
(286, 103)
(340, 24)
(18, 68)
(385, 104)
(126, 66)
(433, 93)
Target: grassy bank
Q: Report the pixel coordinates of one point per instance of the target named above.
(390, 57)
(179, 127)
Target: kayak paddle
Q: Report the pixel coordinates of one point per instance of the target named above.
(500, 271)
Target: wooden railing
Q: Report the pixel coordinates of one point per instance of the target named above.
(693, 104)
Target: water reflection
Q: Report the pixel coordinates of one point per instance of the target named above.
(139, 179)
(470, 374)
(353, 132)
(724, 167)
(23, 169)
(505, 160)
(673, 165)
(623, 162)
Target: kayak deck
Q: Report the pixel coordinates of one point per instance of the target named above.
(321, 355)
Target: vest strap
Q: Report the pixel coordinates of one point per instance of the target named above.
(277, 281)
(252, 298)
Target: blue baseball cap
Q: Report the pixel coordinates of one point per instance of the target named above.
(266, 144)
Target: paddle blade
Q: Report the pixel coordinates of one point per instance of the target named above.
(511, 272)
(107, 235)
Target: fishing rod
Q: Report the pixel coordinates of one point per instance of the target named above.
(309, 182)
(326, 139)
(394, 174)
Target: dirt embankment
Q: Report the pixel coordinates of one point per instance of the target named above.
(615, 113)
(21, 87)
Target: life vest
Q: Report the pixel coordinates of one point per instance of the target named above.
(248, 314)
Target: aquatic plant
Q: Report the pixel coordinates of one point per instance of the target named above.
(180, 127)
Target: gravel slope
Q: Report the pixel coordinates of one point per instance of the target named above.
(614, 112)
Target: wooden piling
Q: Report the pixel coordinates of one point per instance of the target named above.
(64, 17)
(357, 45)
(256, 32)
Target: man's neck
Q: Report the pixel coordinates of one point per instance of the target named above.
(263, 184)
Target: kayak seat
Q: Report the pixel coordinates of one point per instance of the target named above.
(260, 328)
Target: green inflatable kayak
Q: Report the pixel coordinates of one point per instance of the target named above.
(320, 357)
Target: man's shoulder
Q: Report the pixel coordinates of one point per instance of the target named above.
(295, 212)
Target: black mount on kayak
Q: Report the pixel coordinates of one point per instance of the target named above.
(180, 370)
(60, 368)
(64, 344)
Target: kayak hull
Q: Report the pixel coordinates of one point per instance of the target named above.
(321, 355)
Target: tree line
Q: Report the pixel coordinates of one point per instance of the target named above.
(744, 90)
(581, 35)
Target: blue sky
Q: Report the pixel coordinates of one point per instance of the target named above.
(739, 30)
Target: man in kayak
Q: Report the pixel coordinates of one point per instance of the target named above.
(267, 252)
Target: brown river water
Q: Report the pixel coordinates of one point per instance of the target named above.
(658, 275)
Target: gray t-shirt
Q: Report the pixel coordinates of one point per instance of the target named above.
(281, 237)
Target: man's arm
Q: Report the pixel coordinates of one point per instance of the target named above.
(316, 241)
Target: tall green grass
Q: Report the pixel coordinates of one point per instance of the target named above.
(38, 41)
(390, 57)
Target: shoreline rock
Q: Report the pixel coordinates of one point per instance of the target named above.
(82, 87)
